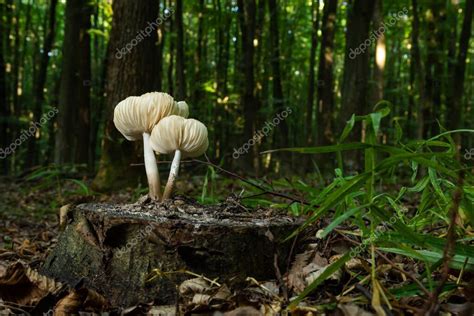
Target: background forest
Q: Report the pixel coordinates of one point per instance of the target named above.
(238, 64)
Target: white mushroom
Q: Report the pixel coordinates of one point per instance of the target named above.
(135, 118)
(184, 137)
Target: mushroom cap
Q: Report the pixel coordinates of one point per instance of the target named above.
(175, 132)
(183, 109)
(137, 115)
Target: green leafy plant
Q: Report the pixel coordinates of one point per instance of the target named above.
(370, 196)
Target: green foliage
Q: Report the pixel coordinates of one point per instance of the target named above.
(357, 199)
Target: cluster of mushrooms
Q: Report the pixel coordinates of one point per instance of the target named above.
(163, 124)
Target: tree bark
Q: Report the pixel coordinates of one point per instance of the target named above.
(325, 75)
(180, 66)
(40, 82)
(123, 244)
(129, 72)
(356, 63)
(74, 94)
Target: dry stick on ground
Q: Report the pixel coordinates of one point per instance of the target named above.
(431, 308)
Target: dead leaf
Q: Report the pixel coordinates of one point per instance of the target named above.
(353, 310)
(196, 285)
(244, 311)
(16, 287)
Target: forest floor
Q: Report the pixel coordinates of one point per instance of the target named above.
(29, 226)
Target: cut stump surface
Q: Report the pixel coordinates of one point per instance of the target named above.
(115, 248)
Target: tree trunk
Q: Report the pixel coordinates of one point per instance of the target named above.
(455, 114)
(380, 53)
(432, 68)
(160, 46)
(40, 82)
(4, 108)
(221, 117)
(325, 74)
(416, 57)
(198, 62)
(114, 249)
(180, 67)
(311, 75)
(278, 98)
(356, 62)
(74, 94)
(247, 17)
(172, 52)
(129, 72)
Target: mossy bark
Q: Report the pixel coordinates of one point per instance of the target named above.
(114, 249)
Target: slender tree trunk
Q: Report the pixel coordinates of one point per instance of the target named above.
(432, 65)
(455, 114)
(311, 75)
(198, 59)
(171, 54)
(40, 82)
(247, 16)
(74, 95)
(131, 73)
(380, 53)
(419, 69)
(160, 46)
(356, 62)
(180, 66)
(222, 51)
(325, 74)
(4, 108)
(278, 98)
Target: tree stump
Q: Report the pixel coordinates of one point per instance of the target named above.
(114, 249)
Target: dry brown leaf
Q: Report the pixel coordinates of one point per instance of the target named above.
(201, 299)
(244, 311)
(295, 277)
(353, 310)
(70, 304)
(196, 285)
(42, 281)
(16, 287)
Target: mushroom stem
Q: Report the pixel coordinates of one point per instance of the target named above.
(151, 169)
(173, 174)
